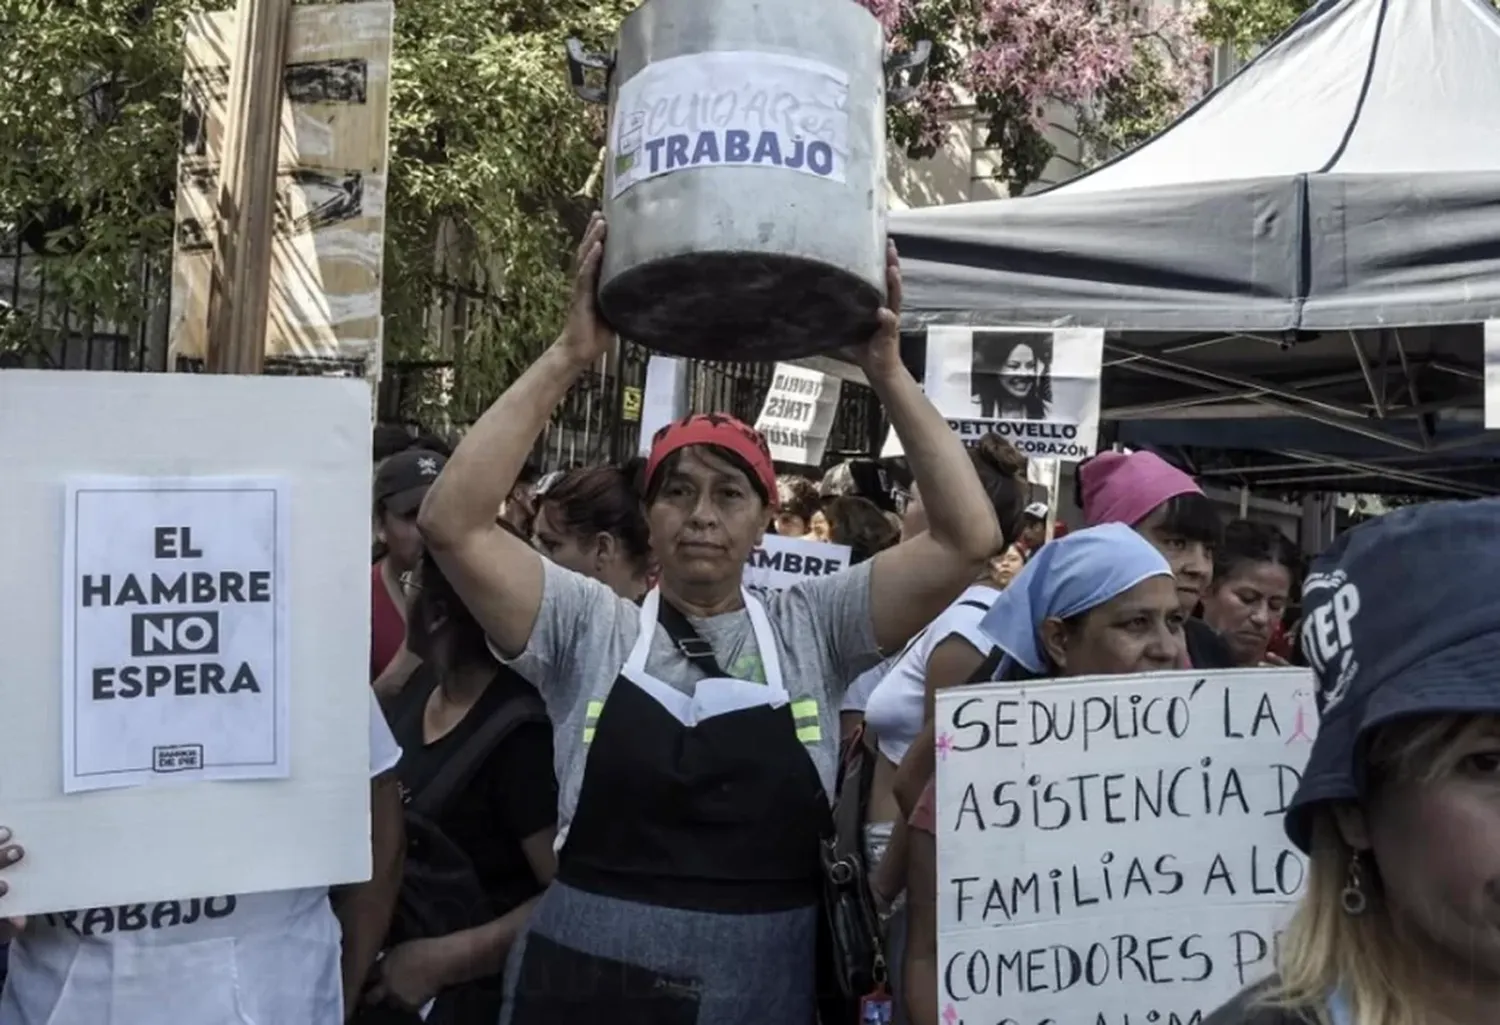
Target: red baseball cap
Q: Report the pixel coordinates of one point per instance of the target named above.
(721, 431)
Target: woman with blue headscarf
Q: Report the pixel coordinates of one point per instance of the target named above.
(1097, 602)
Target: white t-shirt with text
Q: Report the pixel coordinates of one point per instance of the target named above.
(256, 959)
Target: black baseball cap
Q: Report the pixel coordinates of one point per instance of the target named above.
(402, 480)
(1401, 618)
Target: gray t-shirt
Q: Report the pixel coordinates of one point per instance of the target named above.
(584, 633)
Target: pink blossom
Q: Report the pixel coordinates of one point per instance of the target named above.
(1038, 54)
(888, 12)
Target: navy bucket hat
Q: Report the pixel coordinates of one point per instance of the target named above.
(1401, 618)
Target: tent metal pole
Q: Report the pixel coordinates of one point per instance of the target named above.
(1405, 476)
(1351, 425)
(1237, 381)
(1364, 369)
(1411, 387)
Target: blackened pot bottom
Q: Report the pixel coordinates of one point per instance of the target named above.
(740, 306)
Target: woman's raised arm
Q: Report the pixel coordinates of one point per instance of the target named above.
(498, 576)
(913, 582)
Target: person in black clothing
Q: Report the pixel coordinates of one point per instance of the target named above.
(1398, 808)
(503, 818)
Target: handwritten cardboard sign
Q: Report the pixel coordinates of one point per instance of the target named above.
(1110, 849)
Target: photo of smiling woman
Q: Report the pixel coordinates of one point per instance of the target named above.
(1011, 374)
(696, 734)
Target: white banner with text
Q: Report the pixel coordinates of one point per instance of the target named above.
(730, 108)
(175, 625)
(1036, 387)
(1110, 849)
(780, 562)
(797, 417)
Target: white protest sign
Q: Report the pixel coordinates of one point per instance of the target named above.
(665, 397)
(126, 846)
(730, 108)
(797, 416)
(1110, 849)
(780, 562)
(1036, 387)
(174, 631)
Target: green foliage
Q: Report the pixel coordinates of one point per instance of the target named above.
(487, 141)
(88, 126)
(1136, 106)
(1122, 70)
(1247, 24)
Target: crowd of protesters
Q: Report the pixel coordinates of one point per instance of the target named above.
(606, 773)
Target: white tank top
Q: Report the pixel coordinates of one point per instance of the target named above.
(895, 709)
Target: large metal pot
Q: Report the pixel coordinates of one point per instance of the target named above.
(745, 174)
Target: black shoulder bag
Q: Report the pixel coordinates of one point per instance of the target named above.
(440, 889)
(441, 892)
(851, 953)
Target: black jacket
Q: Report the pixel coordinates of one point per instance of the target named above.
(1206, 649)
(1244, 1009)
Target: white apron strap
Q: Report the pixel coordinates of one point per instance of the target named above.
(760, 625)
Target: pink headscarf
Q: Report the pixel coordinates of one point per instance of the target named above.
(1121, 488)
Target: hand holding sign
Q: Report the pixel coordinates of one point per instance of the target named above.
(586, 336)
(881, 355)
(10, 853)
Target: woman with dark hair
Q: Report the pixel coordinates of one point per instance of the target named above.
(945, 655)
(1167, 508)
(697, 732)
(590, 521)
(797, 506)
(859, 523)
(401, 483)
(895, 709)
(1013, 379)
(503, 818)
(1398, 808)
(1256, 572)
(1098, 602)
(1005, 566)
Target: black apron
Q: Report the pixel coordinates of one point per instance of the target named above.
(701, 803)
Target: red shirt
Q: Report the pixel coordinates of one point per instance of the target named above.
(387, 628)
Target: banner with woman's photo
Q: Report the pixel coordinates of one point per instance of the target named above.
(1037, 387)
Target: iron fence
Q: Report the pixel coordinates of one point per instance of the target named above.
(598, 420)
(39, 330)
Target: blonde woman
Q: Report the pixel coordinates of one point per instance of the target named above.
(1399, 809)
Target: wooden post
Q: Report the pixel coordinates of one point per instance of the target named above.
(240, 290)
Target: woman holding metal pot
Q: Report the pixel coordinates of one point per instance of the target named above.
(696, 734)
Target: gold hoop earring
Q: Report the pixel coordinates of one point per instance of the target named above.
(1352, 898)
